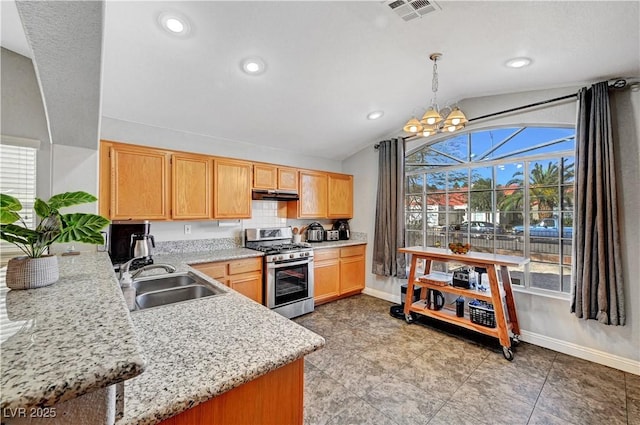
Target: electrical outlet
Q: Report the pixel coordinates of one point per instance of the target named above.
(187, 229)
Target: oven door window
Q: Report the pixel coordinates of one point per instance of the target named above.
(291, 283)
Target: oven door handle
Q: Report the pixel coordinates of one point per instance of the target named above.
(294, 262)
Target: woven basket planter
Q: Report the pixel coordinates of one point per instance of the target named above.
(29, 273)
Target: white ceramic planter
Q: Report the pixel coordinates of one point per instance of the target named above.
(29, 273)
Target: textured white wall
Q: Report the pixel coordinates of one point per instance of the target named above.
(543, 316)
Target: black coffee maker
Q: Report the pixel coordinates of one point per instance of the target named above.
(121, 238)
(342, 226)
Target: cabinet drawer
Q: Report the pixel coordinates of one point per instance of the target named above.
(352, 251)
(246, 265)
(214, 270)
(325, 254)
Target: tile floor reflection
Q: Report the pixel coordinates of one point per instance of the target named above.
(378, 370)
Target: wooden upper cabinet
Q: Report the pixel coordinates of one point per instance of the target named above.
(340, 196)
(265, 176)
(232, 188)
(313, 196)
(191, 183)
(271, 177)
(139, 183)
(288, 179)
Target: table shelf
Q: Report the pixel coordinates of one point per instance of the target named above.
(468, 293)
(449, 316)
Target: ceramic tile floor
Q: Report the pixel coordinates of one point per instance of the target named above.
(378, 370)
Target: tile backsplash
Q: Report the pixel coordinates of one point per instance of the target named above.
(266, 214)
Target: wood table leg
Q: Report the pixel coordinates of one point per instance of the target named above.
(511, 304)
(412, 276)
(501, 320)
(427, 270)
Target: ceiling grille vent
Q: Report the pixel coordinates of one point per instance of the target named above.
(409, 10)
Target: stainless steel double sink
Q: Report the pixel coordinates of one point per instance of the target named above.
(159, 290)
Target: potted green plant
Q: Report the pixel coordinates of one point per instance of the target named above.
(38, 268)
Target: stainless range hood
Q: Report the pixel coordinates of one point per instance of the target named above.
(273, 195)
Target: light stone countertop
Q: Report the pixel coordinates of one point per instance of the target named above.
(65, 340)
(336, 244)
(202, 348)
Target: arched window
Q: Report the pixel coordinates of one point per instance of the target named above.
(504, 190)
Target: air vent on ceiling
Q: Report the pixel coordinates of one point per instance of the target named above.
(409, 10)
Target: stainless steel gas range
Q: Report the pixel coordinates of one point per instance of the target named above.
(288, 277)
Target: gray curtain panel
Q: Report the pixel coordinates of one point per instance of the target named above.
(597, 270)
(389, 225)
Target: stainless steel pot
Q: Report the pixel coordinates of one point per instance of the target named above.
(315, 232)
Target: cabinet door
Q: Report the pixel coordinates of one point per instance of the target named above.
(351, 274)
(265, 176)
(340, 196)
(191, 186)
(216, 271)
(139, 183)
(232, 182)
(288, 179)
(313, 195)
(248, 284)
(326, 280)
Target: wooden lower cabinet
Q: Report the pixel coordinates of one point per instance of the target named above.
(244, 276)
(326, 275)
(338, 272)
(274, 398)
(248, 284)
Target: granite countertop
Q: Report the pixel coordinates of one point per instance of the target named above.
(65, 340)
(202, 348)
(184, 258)
(337, 244)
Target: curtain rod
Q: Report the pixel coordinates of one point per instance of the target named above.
(617, 84)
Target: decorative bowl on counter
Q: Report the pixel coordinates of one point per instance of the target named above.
(459, 248)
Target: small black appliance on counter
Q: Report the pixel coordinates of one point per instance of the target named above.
(121, 241)
(342, 226)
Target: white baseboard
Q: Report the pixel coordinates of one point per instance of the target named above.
(382, 295)
(571, 349)
(586, 353)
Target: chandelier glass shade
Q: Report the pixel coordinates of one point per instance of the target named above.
(433, 121)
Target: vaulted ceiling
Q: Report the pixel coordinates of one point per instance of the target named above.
(328, 64)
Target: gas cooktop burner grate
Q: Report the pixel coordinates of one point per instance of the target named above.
(281, 248)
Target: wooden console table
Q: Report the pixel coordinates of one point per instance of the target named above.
(494, 295)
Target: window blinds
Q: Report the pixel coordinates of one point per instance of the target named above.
(18, 179)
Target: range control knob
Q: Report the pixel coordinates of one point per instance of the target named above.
(292, 255)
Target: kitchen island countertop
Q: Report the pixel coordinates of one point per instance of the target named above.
(200, 349)
(68, 339)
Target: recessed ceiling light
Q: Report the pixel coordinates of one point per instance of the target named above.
(253, 66)
(518, 62)
(375, 115)
(174, 24)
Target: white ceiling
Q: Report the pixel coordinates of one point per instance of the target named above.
(331, 63)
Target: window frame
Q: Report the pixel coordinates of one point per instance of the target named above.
(469, 165)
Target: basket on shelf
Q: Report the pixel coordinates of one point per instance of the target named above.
(481, 313)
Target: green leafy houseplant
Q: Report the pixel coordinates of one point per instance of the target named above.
(53, 226)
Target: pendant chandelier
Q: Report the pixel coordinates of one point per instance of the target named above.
(433, 121)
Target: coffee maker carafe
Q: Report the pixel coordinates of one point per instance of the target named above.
(141, 245)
